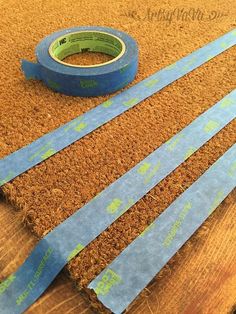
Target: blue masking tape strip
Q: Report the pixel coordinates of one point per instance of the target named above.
(75, 80)
(120, 283)
(51, 143)
(53, 252)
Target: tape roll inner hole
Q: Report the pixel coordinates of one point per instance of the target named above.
(86, 41)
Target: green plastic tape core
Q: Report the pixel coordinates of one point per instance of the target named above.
(83, 41)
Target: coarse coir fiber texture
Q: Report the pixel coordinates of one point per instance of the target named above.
(55, 189)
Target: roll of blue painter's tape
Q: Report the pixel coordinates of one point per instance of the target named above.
(84, 80)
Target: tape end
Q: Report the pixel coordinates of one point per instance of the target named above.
(31, 70)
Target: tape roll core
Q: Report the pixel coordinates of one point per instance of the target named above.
(83, 41)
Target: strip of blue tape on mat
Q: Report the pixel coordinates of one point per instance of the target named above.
(27, 157)
(53, 252)
(120, 283)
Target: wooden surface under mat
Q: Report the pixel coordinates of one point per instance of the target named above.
(200, 280)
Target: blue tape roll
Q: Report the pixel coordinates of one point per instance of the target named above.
(77, 80)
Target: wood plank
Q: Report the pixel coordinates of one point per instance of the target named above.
(201, 279)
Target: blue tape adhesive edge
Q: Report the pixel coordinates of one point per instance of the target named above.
(120, 283)
(84, 81)
(53, 252)
(25, 158)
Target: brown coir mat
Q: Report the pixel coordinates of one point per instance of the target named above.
(53, 190)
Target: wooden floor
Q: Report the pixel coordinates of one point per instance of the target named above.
(202, 279)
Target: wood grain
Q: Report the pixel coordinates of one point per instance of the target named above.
(202, 279)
